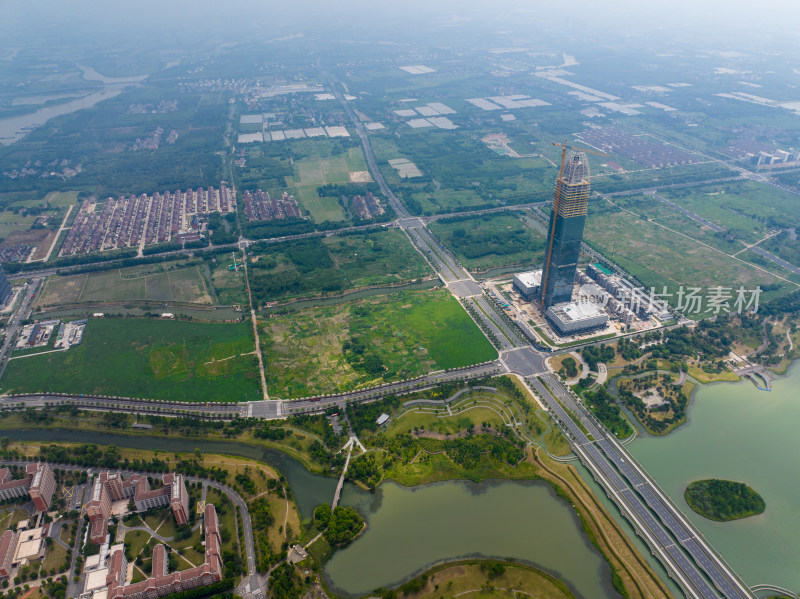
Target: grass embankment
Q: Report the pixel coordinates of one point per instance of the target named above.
(159, 359)
(704, 377)
(630, 570)
(485, 578)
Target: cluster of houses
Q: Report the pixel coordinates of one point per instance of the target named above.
(138, 221)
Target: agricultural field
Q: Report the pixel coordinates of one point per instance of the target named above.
(148, 283)
(660, 257)
(333, 265)
(34, 222)
(749, 212)
(160, 359)
(321, 209)
(460, 172)
(335, 348)
(317, 170)
(486, 241)
(299, 167)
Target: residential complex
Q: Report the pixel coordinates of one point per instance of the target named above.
(111, 487)
(259, 206)
(8, 544)
(139, 221)
(5, 288)
(367, 206)
(162, 582)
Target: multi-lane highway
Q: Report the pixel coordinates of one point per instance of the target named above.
(689, 559)
(266, 409)
(687, 556)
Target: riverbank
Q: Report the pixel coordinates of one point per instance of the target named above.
(638, 579)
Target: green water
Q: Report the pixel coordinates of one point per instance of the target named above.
(739, 433)
(413, 528)
(410, 529)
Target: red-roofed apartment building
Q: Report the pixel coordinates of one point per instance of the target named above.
(162, 583)
(111, 486)
(8, 544)
(39, 483)
(43, 485)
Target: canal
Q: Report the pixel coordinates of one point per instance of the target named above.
(411, 529)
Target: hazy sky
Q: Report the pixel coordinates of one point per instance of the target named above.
(104, 22)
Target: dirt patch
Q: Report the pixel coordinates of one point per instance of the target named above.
(44, 246)
(360, 177)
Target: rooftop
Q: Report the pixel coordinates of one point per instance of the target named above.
(532, 278)
(577, 311)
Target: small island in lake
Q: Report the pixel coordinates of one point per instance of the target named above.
(723, 500)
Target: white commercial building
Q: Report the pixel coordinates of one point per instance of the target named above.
(574, 318)
(528, 283)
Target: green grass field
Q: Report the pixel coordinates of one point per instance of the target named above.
(58, 199)
(486, 241)
(660, 257)
(319, 169)
(321, 209)
(229, 285)
(411, 333)
(161, 359)
(10, 222)
(334, 264)
(740, 206)
(144, 283)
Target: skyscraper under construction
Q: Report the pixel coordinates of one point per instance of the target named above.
(565, 233)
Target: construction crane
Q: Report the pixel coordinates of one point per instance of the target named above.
(556, 200)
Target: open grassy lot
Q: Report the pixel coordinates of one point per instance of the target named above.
(229, 285)
(321, 209)
(153, 283)
(485, 241)
(661, 257)
(54, 558)
(740, 205)
(333, 348)
(61, 198)
(325, 163)
(137, 540)
(333, 265)
(733, 240)
(10, 222)
(162, 359)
